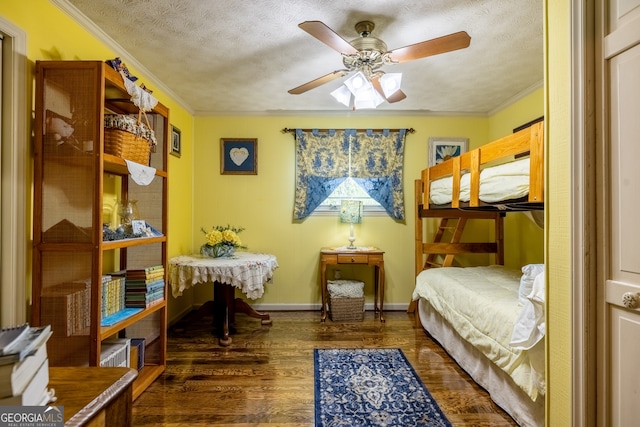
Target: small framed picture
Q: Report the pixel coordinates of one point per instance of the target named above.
(176, 141)
(441, 149)
(239, 156)
(138, 226)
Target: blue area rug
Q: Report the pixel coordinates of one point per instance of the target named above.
(371, 387)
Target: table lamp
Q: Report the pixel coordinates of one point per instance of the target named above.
(351, 213)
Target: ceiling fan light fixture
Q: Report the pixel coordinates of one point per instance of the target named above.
(359, 90)
(358, 83)
(367, 99)
(390, 83)
(342, 95)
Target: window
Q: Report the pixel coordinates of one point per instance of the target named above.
(334, 164)
(349, 189)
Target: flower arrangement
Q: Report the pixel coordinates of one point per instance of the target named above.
(221, 241)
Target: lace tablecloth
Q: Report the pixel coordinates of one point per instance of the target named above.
(246, 271)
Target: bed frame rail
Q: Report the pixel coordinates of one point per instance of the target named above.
(526, 142)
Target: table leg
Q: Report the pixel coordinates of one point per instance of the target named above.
(376, 289)
(223, 312)
(242, 306)
(380, 281)
(323, 287)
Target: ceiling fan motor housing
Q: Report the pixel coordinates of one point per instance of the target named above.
(371, 50)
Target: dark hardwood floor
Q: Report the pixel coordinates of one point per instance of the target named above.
(265, 378)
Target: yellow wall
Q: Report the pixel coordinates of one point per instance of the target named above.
(558, 214)
(263, 203)
(520, 111)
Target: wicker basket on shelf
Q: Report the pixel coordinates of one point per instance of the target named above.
(128, 138)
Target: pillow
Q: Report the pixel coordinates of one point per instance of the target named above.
(345, 288)
(530, 325)
(529, 273)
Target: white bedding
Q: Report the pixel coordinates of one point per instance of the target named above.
(481, 304)
(498, 183)
(503, 391)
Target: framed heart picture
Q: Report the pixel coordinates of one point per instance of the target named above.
(239, 156)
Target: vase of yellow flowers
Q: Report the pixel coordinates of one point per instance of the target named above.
(221, 241)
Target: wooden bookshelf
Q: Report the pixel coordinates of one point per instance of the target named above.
(72, 174)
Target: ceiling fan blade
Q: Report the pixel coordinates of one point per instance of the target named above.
(396, 96)
(318, 82)
(455, 41)
(327, 36)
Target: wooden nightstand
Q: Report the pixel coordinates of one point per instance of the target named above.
(373, 257)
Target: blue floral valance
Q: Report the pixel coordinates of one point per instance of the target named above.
(372, 159)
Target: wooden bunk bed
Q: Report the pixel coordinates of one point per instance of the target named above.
(525, 147)
(483, 341)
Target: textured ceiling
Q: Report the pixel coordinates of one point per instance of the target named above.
(240, 56)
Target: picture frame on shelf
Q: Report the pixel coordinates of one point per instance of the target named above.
(176, 141)
(442, 149)
(239, 156)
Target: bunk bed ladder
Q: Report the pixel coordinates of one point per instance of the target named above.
(446, 229)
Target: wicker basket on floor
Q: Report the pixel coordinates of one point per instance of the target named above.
(346, 309)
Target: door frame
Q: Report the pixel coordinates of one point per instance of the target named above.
(583, 212)
(14, 233)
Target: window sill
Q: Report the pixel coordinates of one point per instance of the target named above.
(369, 211)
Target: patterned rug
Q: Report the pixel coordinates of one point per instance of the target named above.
(371, 387)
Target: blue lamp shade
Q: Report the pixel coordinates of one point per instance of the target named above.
(351, 212)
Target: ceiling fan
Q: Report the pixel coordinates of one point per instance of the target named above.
(368, 54)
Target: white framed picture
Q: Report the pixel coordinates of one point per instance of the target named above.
(442, 149)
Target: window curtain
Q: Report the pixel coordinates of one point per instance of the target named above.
(372, 159)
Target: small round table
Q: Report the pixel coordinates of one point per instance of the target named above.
(247, 271)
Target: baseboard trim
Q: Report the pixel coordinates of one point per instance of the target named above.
(312, 307)
(183, 313)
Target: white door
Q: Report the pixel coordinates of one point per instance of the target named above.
(619, 338)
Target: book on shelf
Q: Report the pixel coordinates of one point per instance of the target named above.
(136, 286)
(153, 272)
(137, 353)
(15, 377)
(36, 393)
(9, 337)
(27, 345)
(116, 352)
(144, 299)
(113, 292)
(66, 307)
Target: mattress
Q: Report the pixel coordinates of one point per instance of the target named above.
(503, 391)
(507, 181)
(481, 305)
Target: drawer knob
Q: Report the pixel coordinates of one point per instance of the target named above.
(630, 299)
(353, 259)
